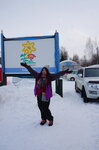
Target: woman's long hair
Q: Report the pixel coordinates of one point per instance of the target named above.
(47, 72)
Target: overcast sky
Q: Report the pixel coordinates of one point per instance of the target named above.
(75, 20)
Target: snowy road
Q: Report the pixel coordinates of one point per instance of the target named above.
(76, 124)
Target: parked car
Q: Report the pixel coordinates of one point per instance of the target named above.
(72, 75)
(87, 82)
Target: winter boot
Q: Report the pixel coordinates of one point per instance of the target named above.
(42, 122)
(50, 123)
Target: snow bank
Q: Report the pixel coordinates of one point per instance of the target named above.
(76, 125)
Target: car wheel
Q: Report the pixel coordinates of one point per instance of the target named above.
(83, 94)
(72, 79)
(76, 89)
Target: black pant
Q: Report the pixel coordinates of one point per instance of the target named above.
(44, 109)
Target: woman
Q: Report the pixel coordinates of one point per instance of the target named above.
(43, 90)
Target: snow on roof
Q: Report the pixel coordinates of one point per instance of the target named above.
(68, 61)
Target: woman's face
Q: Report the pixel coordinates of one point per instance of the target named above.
(44, 72)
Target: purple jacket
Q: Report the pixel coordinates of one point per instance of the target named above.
(51, 78)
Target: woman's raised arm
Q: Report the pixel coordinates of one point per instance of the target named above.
(32, 71)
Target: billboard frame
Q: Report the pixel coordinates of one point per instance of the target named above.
(56, 52)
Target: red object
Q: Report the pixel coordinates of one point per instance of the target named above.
(31, 56)
(1, 76)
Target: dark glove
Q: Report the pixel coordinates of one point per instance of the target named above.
(23, 64)
(68, 71)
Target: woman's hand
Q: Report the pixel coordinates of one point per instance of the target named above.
(68, 71)
(23, 64)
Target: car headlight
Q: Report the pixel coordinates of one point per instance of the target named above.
(93, 85)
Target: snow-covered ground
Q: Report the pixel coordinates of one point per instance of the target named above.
(76, 124)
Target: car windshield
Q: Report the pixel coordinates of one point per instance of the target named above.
(92, 72)
(74, 72)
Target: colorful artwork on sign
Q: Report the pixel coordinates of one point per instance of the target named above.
(27, 56)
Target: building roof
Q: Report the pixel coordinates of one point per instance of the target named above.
(68, 62)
